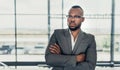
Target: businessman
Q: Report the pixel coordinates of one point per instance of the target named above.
(72, 49)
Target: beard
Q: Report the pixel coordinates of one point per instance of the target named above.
(75, 28)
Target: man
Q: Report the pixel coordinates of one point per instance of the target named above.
(72, 49)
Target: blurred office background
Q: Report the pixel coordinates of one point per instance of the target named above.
(26, 26)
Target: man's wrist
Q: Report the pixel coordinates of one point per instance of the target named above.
(80, 57)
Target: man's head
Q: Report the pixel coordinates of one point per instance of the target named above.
(75, 18)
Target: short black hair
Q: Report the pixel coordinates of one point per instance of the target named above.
(77, 6)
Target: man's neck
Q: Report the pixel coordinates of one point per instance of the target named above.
(75, 33)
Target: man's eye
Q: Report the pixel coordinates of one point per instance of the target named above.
(77, 16)
(69, 16)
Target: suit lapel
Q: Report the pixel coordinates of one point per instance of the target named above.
(68, 41)
(79, 39)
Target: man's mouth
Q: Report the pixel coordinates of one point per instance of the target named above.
(72, 24)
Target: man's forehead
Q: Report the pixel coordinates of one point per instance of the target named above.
(75, 11)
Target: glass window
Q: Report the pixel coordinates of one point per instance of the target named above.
(117, 32)
(31, 7)
(7, 37)
(6, 7)
(56, 7)
(32, 37)
(32, 30)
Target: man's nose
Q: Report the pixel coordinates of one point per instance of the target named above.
(73, 18)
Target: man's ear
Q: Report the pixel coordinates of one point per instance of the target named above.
(83, 19)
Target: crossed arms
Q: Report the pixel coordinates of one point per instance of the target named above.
(55, 49)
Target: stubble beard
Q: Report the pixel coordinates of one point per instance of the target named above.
(75, 28)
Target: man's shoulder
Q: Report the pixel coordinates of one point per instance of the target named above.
(60, 30)
(88, 34)
(88, 37)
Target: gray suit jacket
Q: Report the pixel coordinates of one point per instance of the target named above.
(67, 59)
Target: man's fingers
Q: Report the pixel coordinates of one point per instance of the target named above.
(52, 50)
(57, 46)
(55, 49)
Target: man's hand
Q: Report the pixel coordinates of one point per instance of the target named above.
(55, 49)
(80, 57)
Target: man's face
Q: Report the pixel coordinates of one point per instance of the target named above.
(75, 18)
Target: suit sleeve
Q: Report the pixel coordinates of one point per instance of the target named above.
(58, 60)
(91, 57)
